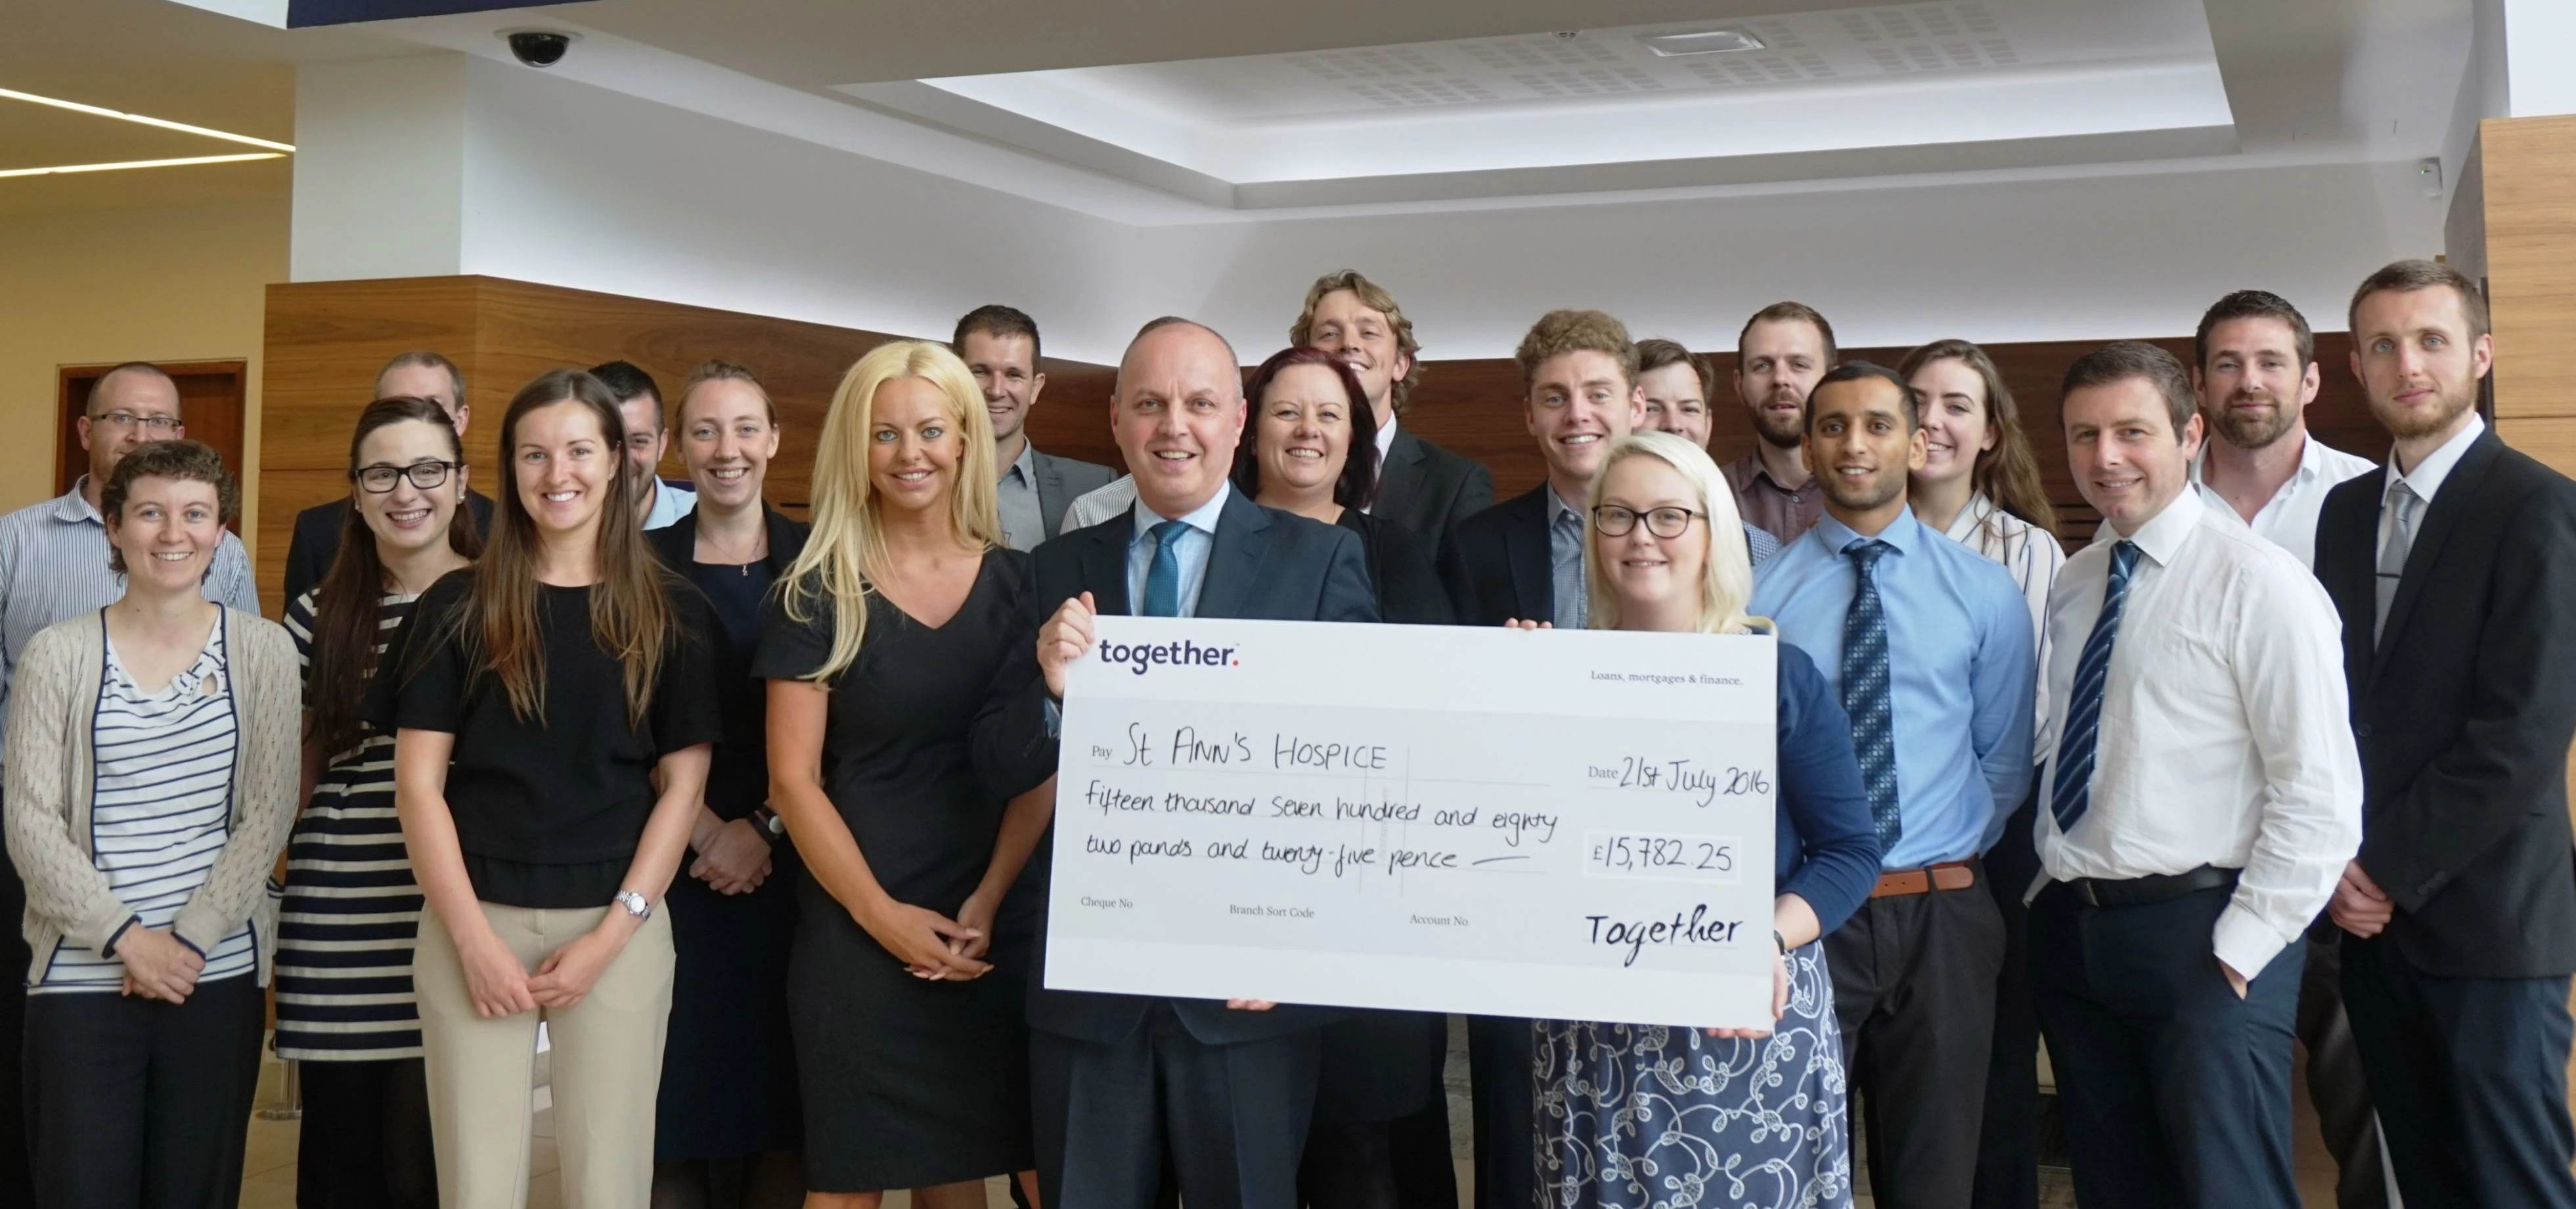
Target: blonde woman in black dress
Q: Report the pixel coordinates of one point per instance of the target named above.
(898, 634)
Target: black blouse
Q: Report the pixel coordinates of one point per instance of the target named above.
(548, 811)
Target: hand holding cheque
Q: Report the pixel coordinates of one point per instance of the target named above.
(1437, 819)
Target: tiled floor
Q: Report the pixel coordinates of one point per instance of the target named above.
(269, 1170)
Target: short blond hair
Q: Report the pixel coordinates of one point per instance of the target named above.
(1374, 297)
(1560, 332)
(1726, 576)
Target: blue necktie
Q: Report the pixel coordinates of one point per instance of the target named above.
(2072, 794)
(1163, 579)
(1865, 693)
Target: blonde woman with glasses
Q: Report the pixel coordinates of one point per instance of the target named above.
(1637, 1115)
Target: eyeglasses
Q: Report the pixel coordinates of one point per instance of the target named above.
(159, 426)
(1615, 521)
(379, 479)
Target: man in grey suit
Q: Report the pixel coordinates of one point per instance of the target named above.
(1000, 346)
(1124, 1086)
(1419, 485)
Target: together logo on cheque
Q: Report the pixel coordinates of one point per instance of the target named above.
(1137, 657)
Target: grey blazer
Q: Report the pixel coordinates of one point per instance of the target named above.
(1060, 481)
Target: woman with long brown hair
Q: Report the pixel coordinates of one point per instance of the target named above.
(551, 728)
(904, 618)
(344, 996)
(1980, 485)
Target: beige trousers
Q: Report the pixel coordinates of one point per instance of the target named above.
(606, 1059)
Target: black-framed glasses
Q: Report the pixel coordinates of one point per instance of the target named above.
(1615, 521)
(380, 478)
(158, 426)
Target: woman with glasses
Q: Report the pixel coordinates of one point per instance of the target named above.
(727, 1126)
(344, 996)
(1636, 1115)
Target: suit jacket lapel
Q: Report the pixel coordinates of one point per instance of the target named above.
(2443, 515)
(1395, 478)
(1533, 564)
(1104, 563)
(1234, 558)
(2348, 528)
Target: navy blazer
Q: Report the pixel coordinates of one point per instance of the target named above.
(2463, 710)
(1265, 565)
(1497, 564)
(1428, 489)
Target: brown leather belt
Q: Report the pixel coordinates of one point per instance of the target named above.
(1956, 875)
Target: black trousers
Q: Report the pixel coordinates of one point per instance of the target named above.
(1914, 991)
(138, 1104)
(1502, 1069)
(365, 1141)
(2337, 1085)
(2176, 1093)
(2008, 1144)
(1230, 1119)
(2471, 1078)
(15, 1188)
(1380, 1138)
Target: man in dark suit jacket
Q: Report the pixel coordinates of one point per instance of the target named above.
(1124, 1085)
(2455, 571)
(1523, 559)
(1419, 485)
(999, 345)
(421, 374)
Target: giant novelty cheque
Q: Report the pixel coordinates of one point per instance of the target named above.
(1568, 825)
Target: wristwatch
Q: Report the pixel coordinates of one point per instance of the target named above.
(767, 822)
(634, 904)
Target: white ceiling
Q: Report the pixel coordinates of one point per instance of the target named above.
(2023, 82)
(1194, 111)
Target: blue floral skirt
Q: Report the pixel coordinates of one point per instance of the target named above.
(1635, 1116)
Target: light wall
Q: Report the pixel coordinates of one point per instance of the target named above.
(568, 184)
(98, 287)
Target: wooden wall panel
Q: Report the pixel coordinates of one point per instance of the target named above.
(2528, 173)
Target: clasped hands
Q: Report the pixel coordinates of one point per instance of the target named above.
(733, 858)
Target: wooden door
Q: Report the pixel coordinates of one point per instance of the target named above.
(210, 403)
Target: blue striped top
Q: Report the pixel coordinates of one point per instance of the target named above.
(161, 808)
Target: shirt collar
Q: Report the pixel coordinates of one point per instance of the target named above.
(1385, 441)
(1754, 467)
(1964, 526)
(2428, 474)
(74, 507)
(1202, 519)
(1025, 465)
(1556, 506)
(2161, 538)
(1903, 533)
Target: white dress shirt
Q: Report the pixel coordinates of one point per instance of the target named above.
(1092, 507)
(2426, 478)
(2289, 518)
(2226, 734)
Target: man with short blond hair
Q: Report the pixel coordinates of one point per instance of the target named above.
(1420, 485)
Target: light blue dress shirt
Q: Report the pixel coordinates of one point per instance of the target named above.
(1193, 551)
(1961, 670)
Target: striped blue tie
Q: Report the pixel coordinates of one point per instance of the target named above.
(2073, 792)
(1865, 695)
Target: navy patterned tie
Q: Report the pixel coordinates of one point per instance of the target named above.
(2072, 794)
(1163, 576)
(1865, 695)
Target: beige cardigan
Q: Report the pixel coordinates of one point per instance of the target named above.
(53, 709)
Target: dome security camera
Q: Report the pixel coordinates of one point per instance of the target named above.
(539, 47)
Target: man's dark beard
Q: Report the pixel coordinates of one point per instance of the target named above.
(2247, 432)
(1795, 436)
(2451, 409)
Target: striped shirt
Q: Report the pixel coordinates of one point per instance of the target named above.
(2034, 557)
(161, 810)
(344, 933)
(53, 567)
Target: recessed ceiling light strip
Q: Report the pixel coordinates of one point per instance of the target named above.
(194, 159)
(163, 123)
